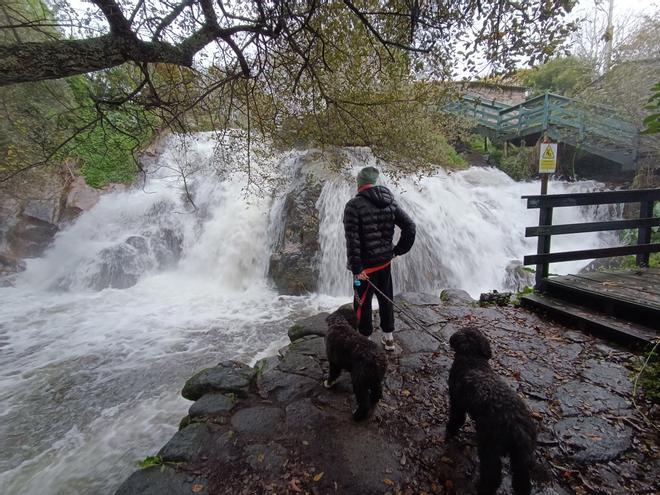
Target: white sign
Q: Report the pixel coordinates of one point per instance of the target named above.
(548, 158)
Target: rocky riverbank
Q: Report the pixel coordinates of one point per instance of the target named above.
(273, 428)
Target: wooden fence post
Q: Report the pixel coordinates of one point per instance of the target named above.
(644, 233)
(543, 246)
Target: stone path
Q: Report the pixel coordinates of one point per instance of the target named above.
(274, 428)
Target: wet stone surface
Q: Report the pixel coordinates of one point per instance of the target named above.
(577, 398)
(275, 429)
(593, 439)
(227, 377)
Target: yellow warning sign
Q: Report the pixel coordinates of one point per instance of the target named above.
(548, 154)
(548, 158)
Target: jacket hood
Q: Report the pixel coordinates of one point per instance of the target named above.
(378, 195)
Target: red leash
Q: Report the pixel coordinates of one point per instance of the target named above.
(361, 300)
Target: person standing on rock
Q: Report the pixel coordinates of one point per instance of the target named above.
(369, 220)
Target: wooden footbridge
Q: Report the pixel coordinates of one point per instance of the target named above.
(592, 128)
(623, 305)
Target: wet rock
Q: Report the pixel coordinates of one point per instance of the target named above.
(516, 277)
(579, 337)
(163, 480)
(300, 364)
(45, 210)
(266, 364)
(494, 297)
(449, 330)
(303, 414)
(417, 299)
(166, 244)
(82, 197)
(266, 457)
(120, 266)
(456, 297)
(539, 377)
(10, 265)
(513, 328)
(8, 280)
(414, 316)
(567, 353)
(414, 341)
(609, 375)
(191, 444)
(212, 404)
(309, 346)
(294, 261)
(604, 264)
(284, 387)
(30, 237)
(366, 458)
(228, 377)
(412, 361)
(314, 325)
(578, 397)
(258, 420)
(553, 489)
(593, 439)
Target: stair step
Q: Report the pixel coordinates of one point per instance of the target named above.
(616, 301)
(587, 319)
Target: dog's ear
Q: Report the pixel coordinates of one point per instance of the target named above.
(459, 343)
(351, 317)
(484, 346)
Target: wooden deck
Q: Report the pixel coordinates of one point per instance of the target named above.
(621, 305)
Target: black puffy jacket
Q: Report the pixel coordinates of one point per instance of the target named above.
(369, 220)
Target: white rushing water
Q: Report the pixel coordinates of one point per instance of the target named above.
(470, 226)
(90, 378)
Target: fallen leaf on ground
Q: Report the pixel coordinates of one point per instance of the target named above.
(318, 476)
(294, 485)
(196, 488)
(388, 482)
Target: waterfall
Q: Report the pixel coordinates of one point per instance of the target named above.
(147, 288)
(470, 227)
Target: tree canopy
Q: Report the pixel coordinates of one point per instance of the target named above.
(337, 71)
(563, 75)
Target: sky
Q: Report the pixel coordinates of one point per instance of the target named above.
(583, 9)
(621, 6)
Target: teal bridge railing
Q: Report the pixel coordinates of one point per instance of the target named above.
(593, 128)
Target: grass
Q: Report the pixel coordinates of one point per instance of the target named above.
(151, 461)
(647, 373)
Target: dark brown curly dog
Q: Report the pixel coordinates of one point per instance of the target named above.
(348, 350)
(503, 422)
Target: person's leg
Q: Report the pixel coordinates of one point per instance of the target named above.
(382, 279)
(362, 306)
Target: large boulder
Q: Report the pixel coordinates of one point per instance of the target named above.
(228, 377)
(517, 277)
(294, 263)
(121, 266)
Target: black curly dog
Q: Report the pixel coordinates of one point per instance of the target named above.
(504, 424)
(347, 349)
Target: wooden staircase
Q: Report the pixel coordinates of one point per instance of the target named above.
(592, 128)
(622, 306)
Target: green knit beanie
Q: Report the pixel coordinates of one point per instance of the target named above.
(368, 175)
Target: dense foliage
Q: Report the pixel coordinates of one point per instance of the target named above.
(326, 72)
(565, 76)
(652, 122)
